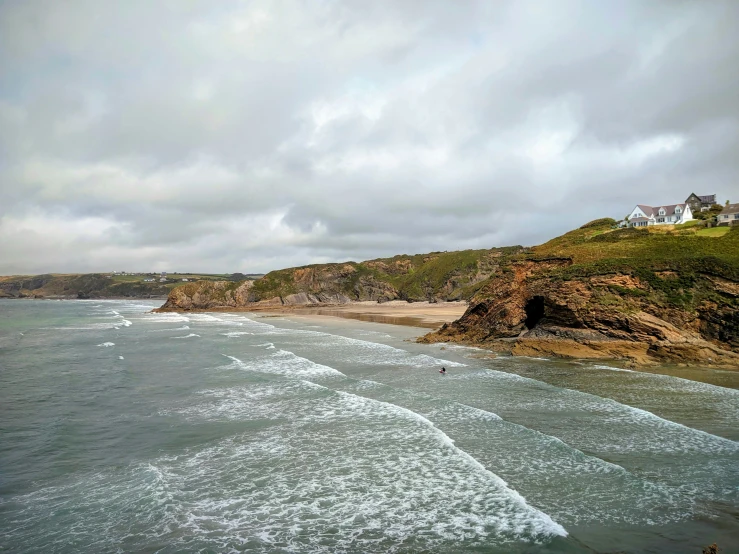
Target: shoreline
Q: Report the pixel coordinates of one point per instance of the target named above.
(426, 315)
(728, 378)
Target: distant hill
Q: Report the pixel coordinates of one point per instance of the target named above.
(98, 285)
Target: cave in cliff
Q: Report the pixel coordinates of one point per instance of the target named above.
(534, 311)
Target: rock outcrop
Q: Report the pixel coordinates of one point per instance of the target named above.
(530, 310)
(203, 295)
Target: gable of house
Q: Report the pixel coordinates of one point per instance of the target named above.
(697, 202)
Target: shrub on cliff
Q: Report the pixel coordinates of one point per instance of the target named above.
(607, 222)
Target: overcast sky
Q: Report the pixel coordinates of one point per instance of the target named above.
(248, 136)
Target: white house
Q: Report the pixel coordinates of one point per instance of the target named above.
(729, 215)
(673, 214)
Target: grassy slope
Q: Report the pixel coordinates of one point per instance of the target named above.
(670, 259)
(598, 249)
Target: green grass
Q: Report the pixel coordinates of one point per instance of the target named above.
(671, 261)
(713, 232)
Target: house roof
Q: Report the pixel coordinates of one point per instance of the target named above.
(730, 209)
(669, 210)
(638, 219)
(653, 211)
(648, 210)
(704, 198)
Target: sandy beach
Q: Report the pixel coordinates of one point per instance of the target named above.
(397, 312)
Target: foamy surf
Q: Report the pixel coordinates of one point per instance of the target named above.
(287, 364)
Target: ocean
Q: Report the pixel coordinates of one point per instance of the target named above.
(123, 430)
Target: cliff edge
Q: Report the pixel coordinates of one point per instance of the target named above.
(642, 295)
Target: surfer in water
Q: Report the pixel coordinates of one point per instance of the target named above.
(442, 371)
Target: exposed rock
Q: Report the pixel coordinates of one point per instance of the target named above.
(582, 318)
(208, 294)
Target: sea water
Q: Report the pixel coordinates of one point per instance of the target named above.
(123, 430)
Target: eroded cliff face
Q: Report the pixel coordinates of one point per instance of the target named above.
(432, 277)
(203, 295)
(529, 309)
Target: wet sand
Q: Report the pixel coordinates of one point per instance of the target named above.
(414, 314)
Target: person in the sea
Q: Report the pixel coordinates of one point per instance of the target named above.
(442, 370)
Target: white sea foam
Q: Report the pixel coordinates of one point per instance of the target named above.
(267, 345)
(183, 328)
(232, 334)
(107, 344)
(206, 318)
(284, 362)
(362, 351)
(620, 421)
(120, 357)
(380, 486)
(368, 352)
(165, 317)
(187, 336)
(543, 522)
(611, 368)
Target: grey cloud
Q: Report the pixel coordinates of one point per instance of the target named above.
(248, 137)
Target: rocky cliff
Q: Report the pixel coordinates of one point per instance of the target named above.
(598, 293)
(438, 276)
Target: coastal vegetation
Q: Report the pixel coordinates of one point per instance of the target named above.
(641, 294)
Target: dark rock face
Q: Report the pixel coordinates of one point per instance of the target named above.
(530, 310)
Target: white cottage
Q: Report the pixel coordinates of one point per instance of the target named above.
(673, 214)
